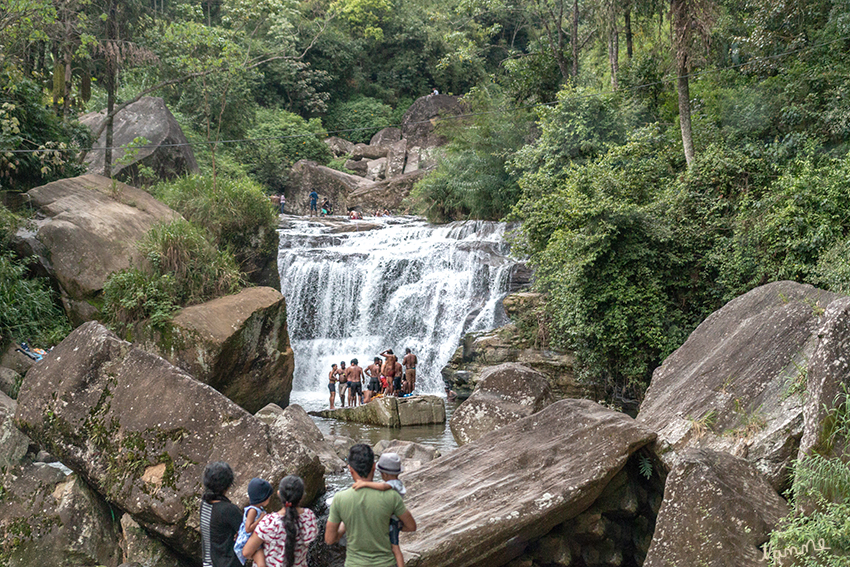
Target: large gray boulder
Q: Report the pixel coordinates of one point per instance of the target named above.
(167, 152)
(717, 511)
(385, 137)
(238, 344)
(10, 381)
(14, 445)
(294, 422)
(91, 230)
(505, 393)
(47, 518)
(387, 194)
(389, 411)
(417, 124)
(368, 151)
(140, 548)
(339, 146)
(141, 432)
(395, 158)
(307, 176)
(485, 502)
(413, 455)
(741, 381)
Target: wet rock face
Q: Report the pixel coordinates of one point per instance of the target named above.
(141, 432)
(47, 518)
(91, 231)
(417, 124)
(504, 394)
(717, 510)
(389, 411)
(485, 502)
(741, 381)
(13, 444)
(167, 152)
(238, 344)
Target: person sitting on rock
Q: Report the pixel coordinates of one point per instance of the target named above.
(326, 208)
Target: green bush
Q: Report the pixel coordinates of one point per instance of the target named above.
(28, 311)
(358, 119)
(237, 214)
(282, 138)
(183, 268)
(472, 178)
(819, 500)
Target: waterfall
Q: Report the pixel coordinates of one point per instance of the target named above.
(356, 288)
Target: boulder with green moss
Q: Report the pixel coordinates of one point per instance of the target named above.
(48, 518)
(141, 431)
(238, 344)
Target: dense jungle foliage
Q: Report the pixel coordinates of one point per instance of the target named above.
(662, 158)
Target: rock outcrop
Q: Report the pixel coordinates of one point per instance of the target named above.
(140, 548)
(385, 169)
(389, 411)
(141, 432)
(48, 518)
(413, 455)
(387, 194)
(238, 344)
(717, 510)
(741, 381)
(307, 176)
(484, 503)
(504, 394)
(91, 230)
(417, 124)
(167, 151)
(293, 422)
(13, 444)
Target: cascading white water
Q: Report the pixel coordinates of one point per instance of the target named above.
(404, 284)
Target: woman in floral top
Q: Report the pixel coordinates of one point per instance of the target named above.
(277, 532)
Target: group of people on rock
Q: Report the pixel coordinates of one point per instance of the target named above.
(370, 513)
(387, 377)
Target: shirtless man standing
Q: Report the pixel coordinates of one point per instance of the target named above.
(409, 362)
(332, 380)
(343, 382)
(398, 372)
(388, 369)
(355, 383)
(373, 371)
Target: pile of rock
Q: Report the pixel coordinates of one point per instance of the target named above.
(382, 171)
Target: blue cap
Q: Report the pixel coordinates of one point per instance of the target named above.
(258, 490)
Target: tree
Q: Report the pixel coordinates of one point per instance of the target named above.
(691, 20)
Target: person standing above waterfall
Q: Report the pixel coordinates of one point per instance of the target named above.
(409, 362)
(343, 383)
(314, 202)
(388, 369)
(355, 383)
(332, 380)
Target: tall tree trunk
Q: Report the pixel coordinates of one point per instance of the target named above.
(574, 38)
(58, 78)
(628, 25)
(68, 53)
(614, 52)
(111, 75)
(678, 12)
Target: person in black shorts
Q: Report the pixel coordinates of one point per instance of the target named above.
(332, 380)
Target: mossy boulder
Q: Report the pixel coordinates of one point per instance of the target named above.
(48, 518)
(238, 344)
(141, 431)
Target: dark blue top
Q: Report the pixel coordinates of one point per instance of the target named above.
(314, 197)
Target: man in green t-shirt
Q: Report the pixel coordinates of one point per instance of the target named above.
(364, 515)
